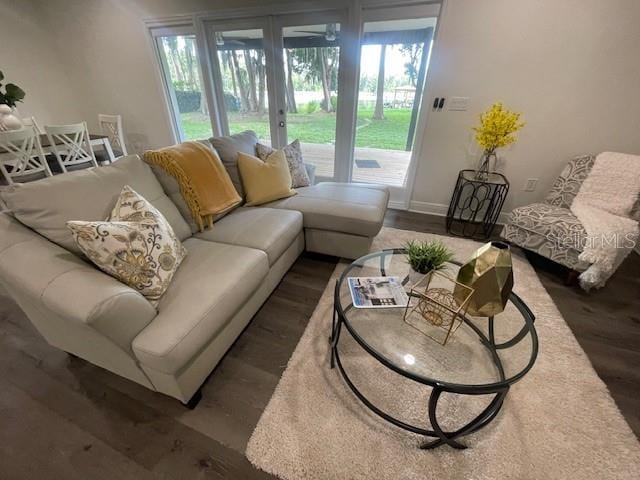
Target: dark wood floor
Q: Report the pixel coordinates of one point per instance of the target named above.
(62, 418)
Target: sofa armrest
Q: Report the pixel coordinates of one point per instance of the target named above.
(311, 171)
(57, 282)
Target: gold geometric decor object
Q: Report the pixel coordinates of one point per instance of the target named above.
(490, 274)
(432, 308)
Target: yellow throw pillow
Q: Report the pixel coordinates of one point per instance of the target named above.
(265, 181)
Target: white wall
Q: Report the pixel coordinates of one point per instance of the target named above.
(112, 60)
(110, 57)
(572, 67)
(28, 59)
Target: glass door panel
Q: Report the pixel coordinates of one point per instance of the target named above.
(242, 66)
(311, 63)
(393, 64)
(179, 62)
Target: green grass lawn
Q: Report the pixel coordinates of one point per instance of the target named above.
(318, 127)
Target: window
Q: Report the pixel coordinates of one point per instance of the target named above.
(181, 74)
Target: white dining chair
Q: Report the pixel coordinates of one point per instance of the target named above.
(32, 122)
(111, 126)
(21, 155)
(71, 145)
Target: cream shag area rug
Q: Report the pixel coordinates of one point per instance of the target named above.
(559, 422)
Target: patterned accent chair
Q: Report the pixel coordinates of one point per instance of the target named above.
(550, 229)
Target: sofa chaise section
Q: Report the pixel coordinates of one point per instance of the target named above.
(340, 219)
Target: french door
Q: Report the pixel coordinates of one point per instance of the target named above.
(350, 90)
(393, 64)
(279, 76)
(394, 48)
(242, 66)
(308, 54)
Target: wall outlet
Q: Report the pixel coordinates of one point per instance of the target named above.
(530, 185)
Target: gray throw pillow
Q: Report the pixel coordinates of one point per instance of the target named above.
(228, 149)
(293, 153)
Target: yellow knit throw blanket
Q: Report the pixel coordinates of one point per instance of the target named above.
(204, 183)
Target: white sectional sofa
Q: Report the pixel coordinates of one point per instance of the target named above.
(229, 271)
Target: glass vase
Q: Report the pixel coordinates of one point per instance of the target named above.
(486, 165)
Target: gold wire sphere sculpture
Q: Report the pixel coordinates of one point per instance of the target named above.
(433, 309)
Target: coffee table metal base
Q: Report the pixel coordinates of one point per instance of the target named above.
(440, 436)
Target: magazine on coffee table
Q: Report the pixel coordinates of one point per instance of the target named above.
(377, 292)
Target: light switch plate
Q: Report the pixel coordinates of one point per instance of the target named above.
(459, 104)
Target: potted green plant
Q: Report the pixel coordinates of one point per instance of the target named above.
(12, 94)
(424, 257)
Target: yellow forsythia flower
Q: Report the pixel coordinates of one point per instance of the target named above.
(497, 128)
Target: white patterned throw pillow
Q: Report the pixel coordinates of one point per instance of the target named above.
(133, 207)
(293, 152)
(136, 245)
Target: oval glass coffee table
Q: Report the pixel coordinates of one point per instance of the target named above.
(485, 356)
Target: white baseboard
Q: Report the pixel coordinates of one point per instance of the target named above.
(396, 205)
(440, 210)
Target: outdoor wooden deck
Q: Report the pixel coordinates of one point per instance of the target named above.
(392, 170)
